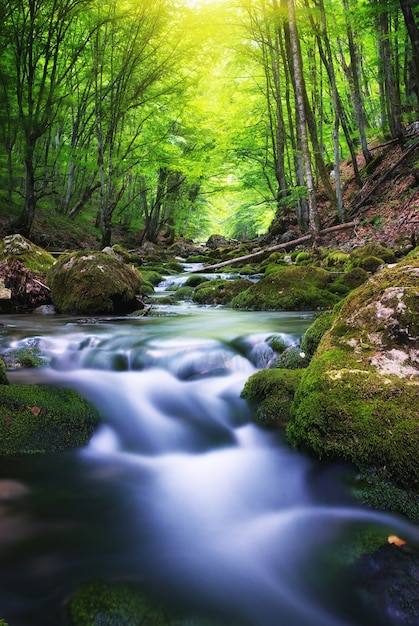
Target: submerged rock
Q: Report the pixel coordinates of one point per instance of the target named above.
(359, 397)
(91, 283)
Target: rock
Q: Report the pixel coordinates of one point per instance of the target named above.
(358, 399)
(37, 419)
(5, 298)
(219, 291)
(91, 283)
(27, 253)
(291, 289)
(215, 241)
(27, 291)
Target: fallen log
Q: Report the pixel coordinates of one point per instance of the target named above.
(279, 246)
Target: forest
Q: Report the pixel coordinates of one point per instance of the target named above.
(191, 117)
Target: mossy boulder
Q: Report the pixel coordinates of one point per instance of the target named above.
(358, 399)
(34, 258)
(315, 332)
(219, 291)
(291, 289)
(3, 374)
(371, 250)
(123, 603)
(272, 391)
(113, 603)
(37, 419)
(91, 283)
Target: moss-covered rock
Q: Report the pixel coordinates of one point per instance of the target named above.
(293, 358)
(219, 291)
(37, 419)
(3, 374)
(291, 289)
(315, 332)
(93, 283)
(358, 398)
(373, 249)
(31, 256)
(272, 391)
(113, 603)
(120, 603)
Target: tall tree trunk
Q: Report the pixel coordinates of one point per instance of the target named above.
(413, 31)
(356, 86)
(391, 99)
(25, 221)
(313, 218)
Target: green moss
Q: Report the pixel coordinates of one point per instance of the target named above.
(183, 293)
(370, 263)
(219, 291)
(373, 249)
(346, 409)
(126, 256)
(272, 268)
(152, 277)
(376, 492)
(301, 257)
(337, 259)
(194, 280)
(292, 358)
(31, 256)
(353, 278)
(272, 391)
(113, 603)
(3, 374)
(92, 283)
(30, 356)
(277, 343)
(315, 332)
(291, 289)
(37, 419)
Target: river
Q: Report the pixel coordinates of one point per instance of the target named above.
(178, 489)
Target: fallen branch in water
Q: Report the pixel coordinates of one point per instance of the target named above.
(279, 246)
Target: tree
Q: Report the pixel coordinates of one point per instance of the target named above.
(33, 34)
(313, 218)
(413, 31)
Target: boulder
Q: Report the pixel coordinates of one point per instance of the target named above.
(358, 399)
(91, 283)
(32, 257)
(36, 419)
(291, 289)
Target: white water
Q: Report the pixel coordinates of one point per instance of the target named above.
(178, 489)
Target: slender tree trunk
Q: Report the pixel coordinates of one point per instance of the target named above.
(313, 218)
(413, 31)
(25, 221)
(356, 86)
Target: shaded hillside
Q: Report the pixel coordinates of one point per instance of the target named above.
(387, 206)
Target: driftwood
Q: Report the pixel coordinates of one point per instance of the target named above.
(279, 246)
(354, 210)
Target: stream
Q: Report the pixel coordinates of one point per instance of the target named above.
(178, 489)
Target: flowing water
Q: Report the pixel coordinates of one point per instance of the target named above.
(178, 489)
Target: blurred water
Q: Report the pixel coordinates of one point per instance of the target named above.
(178, 489)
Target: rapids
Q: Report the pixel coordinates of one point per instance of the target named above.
(178, 489)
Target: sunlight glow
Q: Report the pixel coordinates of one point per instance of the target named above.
(200, 3)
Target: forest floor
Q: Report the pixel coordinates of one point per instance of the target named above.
(386, 208)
